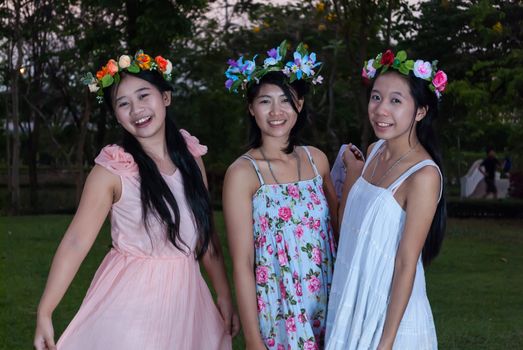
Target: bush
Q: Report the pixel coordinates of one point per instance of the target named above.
(485, 208)
(516, 184)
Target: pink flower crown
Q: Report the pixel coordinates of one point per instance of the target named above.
(110, 73)
(422, 69)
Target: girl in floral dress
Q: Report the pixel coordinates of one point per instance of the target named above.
(148, 292)
(276, 200)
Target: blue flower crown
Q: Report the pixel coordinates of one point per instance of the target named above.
(242, 72)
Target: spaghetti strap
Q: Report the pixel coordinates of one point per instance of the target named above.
(427, 162)
(375, 150)
(255, 166)
(311, 161)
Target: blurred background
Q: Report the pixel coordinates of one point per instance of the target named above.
(52, 128)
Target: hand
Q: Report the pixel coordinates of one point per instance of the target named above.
(229, 315)
(353, 158)
(44, 334)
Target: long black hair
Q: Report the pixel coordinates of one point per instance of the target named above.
(294, 91)
(424, 97)
(156, 197)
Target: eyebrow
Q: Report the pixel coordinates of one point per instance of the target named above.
(269, 96)
(393, 92)
(139, 90)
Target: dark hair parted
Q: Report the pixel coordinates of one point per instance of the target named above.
(156, 197)
(294, 91)
(424, 97)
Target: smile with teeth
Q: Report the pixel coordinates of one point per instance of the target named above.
(383, 125)
(276, 122)
(142, 120)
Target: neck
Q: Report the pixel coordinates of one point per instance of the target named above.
(395, 148)
(155, 148)
(273, 148)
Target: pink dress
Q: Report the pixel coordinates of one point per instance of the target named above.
(146, 293)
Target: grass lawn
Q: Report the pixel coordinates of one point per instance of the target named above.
(475, 286)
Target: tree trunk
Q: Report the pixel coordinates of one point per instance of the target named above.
(33, 158)
(80, 149)
(14, 173)
(362, 96)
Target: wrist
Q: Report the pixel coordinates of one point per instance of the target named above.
(42, 313)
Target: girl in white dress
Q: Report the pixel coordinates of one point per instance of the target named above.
(393, 214)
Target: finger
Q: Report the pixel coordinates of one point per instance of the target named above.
(49, 341)
(228, 325)
(235, 325)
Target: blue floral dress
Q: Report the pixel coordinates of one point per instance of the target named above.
(294, 261)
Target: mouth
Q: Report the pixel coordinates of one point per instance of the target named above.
(383, 124)
(143, 121)
(277, 122)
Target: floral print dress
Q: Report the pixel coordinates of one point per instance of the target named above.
(294, 258)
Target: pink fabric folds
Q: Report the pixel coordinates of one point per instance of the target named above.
(193, 144)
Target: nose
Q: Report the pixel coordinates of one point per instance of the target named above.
(276, 108)
(379, 108)
(136, 108)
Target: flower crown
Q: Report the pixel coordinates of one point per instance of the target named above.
(110, 73)
(242, 72)
(422, 69)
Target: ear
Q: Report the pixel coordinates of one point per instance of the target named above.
(299, 104)
(166, 97)
(421, 113)
(251, 111)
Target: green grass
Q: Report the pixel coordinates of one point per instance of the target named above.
(475, 286)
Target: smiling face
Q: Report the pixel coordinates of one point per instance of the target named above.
(391, 107)
(273, 111)
(140, 107)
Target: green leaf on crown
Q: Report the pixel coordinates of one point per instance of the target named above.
(133, 68)
(283, 49)
(404, 70)
(107, 80)
(409, 64)
(401, 56)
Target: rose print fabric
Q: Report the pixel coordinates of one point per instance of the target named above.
(294, 260)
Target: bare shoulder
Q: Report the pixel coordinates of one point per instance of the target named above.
(320, 159)
(317, 154)
(100, 177)
(426, 181)
(241, 175)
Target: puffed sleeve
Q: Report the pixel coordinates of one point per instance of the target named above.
(193, 144)
(116, 160)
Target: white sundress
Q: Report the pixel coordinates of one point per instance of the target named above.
(371, 230)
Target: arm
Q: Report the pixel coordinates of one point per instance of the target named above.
(238, 188)
(422, 199)
(214, 266)
(97, 198)
(353, 160)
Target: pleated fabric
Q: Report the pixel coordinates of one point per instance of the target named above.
(146, 294)
(371, 230)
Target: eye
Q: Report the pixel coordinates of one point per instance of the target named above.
(375, 97)
(142, 96)
(264, 100)
(122, 104)
(396, 100)
(285, 100)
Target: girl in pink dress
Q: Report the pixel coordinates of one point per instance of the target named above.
(148, 292)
